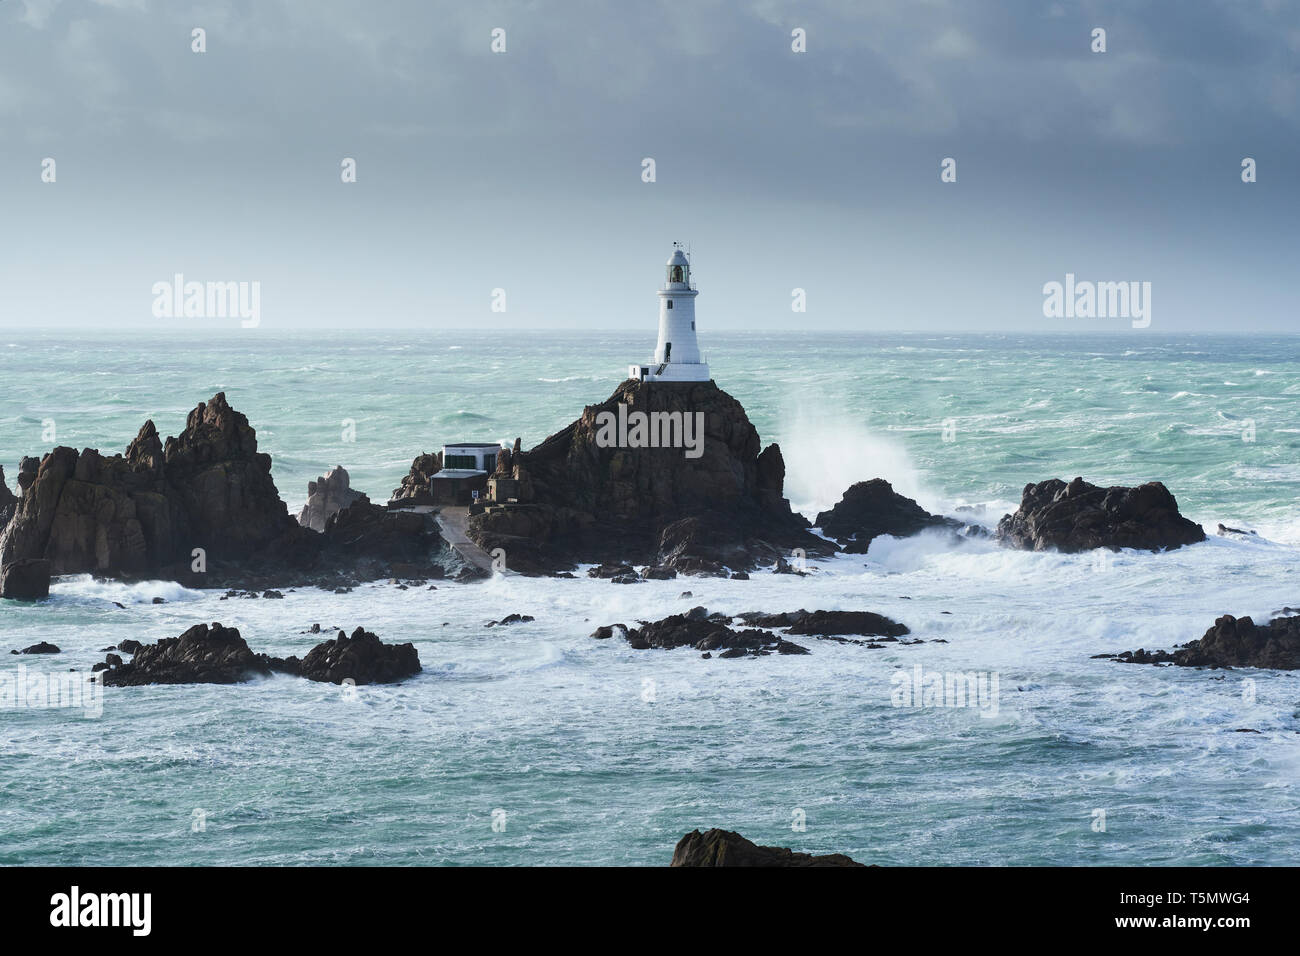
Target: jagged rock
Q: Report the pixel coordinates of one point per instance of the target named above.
(202, 655)
(27, 579)
(8, 500)
(726, 848)
(414, 488)
(1233, 642)
(208, 488)
(363, 658)
(869, 509)
(581, 501)
(1080, 517)
(325, 496)
(696, 629)
(144, 514)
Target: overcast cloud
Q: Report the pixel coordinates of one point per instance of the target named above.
(522, 170)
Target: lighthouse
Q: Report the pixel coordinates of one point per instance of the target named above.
(677, 355)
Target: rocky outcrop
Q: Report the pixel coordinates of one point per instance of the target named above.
(202, 655)
(831, 623)
(209, 488)
(1079, 516)
(326, 496)
(44, 647)
(583, 498)
(726, 848)
(8, 500)
(201, 509)
(27, 579)
(414, 488)
(704, 632)
(362, 658)
(869, 509)
(215, 654)
(1233, 642)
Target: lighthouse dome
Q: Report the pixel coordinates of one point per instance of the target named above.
(678, 272)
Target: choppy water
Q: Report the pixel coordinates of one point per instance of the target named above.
(556, 729)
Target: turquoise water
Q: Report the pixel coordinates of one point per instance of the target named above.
(556, 729)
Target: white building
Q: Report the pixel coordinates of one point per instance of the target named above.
(677, 356)
(471, 456)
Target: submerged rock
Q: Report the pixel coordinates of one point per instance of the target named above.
(727, 848)
(326, 496)
(1080, 517)
(1232, 642)
(869, 509)
(511, 619)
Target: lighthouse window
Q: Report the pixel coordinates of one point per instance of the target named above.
(677, 273)
(692, 325)
(670, 303)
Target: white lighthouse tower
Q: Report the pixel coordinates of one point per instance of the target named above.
(677, 356)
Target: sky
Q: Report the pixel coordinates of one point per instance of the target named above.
(523, 170)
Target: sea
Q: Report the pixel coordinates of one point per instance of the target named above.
(535, 744)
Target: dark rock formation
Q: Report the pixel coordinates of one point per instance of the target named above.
(872, 508)
(1080, 517)
(511, 619)
(27, 579)
(44, 647)
(1224, 530)
(1233, 642)
(325, 496)
(217, 654)
(363, 658)
(582, 502)
(202, 655)
(8, 500)
(725, 848)
(144, 513)
(866, 623)
(704, 633)
(414, 488)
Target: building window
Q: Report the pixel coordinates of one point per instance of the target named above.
(670, 303)
(692, 325)
(460, 461)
